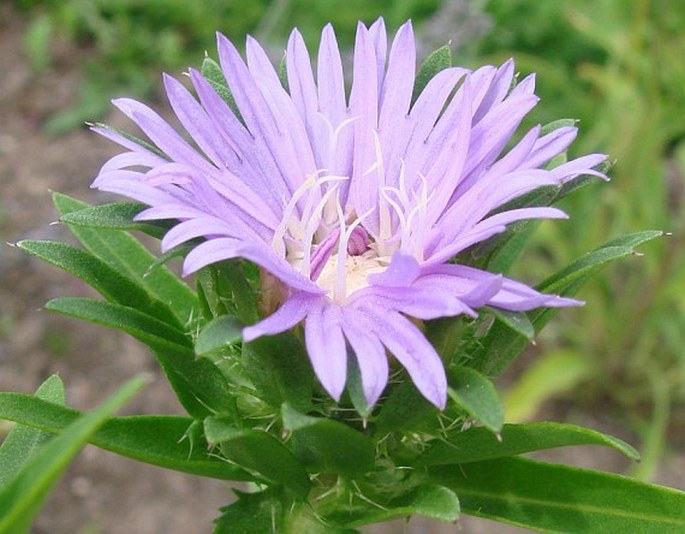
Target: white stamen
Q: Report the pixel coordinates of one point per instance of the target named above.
(403, 184)
(290, 222)
(307, 211)
(312, 226)
(400, 214)
(384, 219)
(340, 289)
(340, 279)
(419, 211)
(334, 136)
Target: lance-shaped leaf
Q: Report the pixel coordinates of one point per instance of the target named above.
(23, 441)
(476, 395)
(582, 180)
(509, 249)
(578, 271)
(438, 60)
(266, 511)
(133, 138)
(253, 512)
(478, 444)
(217, 334)
(283, 73)
(212, 72)
(429, 500)
(114, 216)
(22, 497)
(279, 370)
(323, 444)
(355, 389)
(494, 351)
(406, 410)
(124, 253)
(516, 321)
(224, 289)
(445, 334)
(218, 341)
(142, 326)
(556, 498)
(259, 452)
(106, 280)
(199, 385)
(162, 440)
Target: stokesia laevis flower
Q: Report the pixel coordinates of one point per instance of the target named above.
(354, 205)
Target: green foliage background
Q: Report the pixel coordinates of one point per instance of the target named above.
(616, 65)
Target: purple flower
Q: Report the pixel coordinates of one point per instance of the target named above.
(354, 205)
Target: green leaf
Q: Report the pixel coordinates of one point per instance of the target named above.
(445, 334)
(252, 513)
(114, 216)
(516, 321)
(405, 410)
(280, 370)
(556, 498)
(283, 74)
(161, 440)
(566, 279)
(212, 72)
(438, 60)
(355, 389)
(22, 442)
(179, 251)
(127, 255)
(22, 497)
(107, 281)
(555, 125)
(213, 296)
(133, 138)
(225, 290)
(219, 333)
(151, 331)
(478, 444)
(505, 255)
(199, 385)
(267, 512)
(258, 452)
(501, 344)
(582, 181)
(429, 500)
(323, 444)
(476, 395)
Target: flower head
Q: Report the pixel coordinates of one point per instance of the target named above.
(355, 205)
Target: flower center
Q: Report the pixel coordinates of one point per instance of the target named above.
(356, 270)
(325, 242)
(328, 244)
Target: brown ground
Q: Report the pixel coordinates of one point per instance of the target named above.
(101, 492)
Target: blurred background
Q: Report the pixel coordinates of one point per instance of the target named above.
(617, 365)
